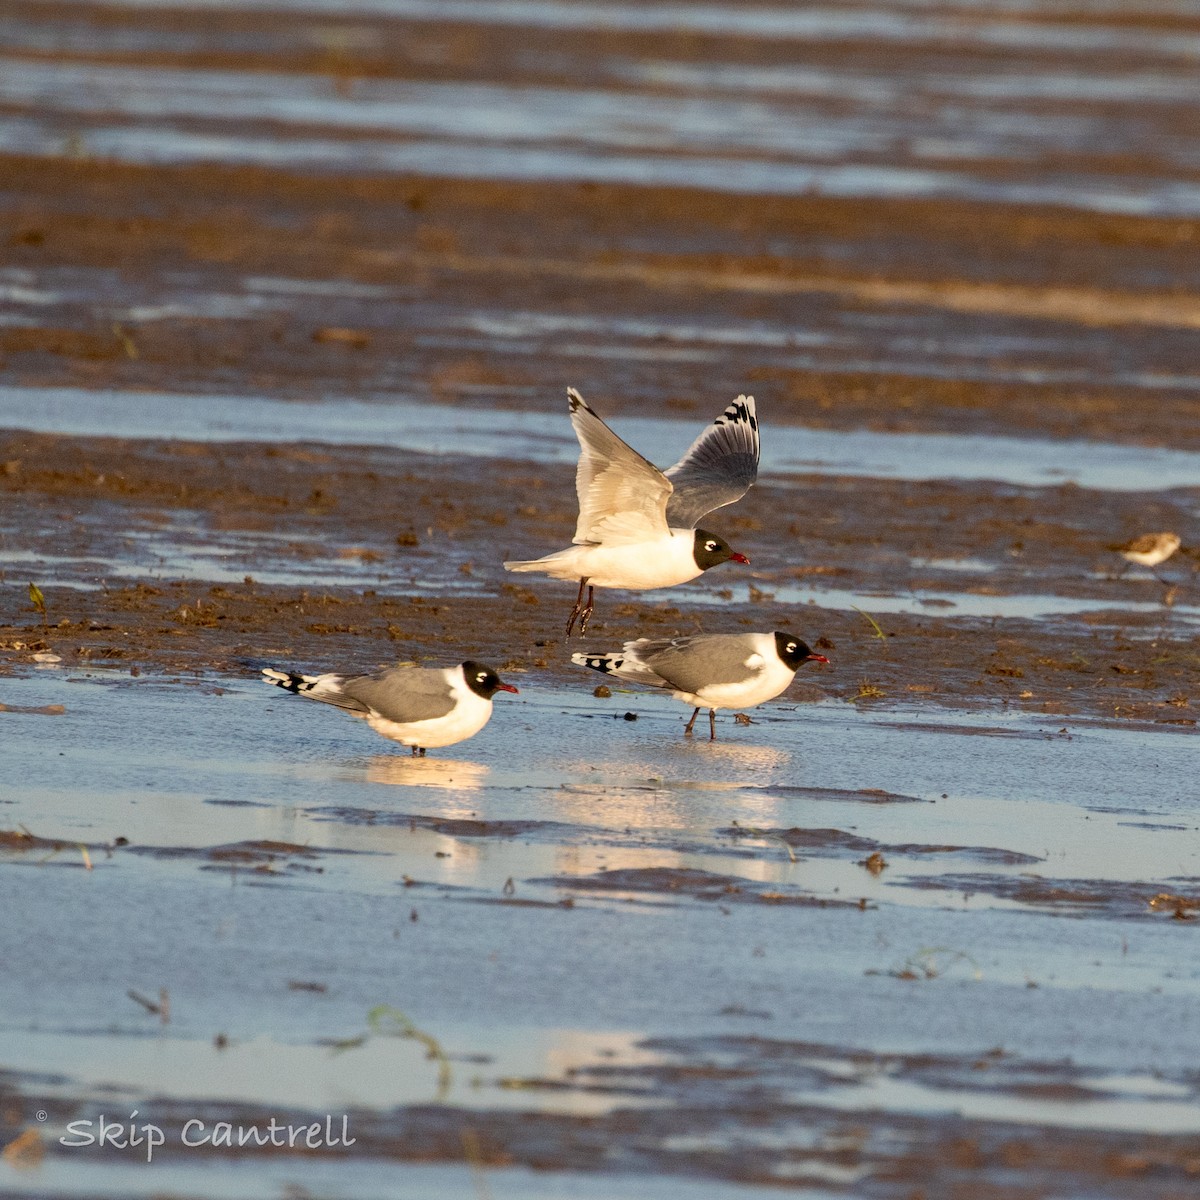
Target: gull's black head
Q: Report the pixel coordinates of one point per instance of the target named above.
(710, 550)
(794, 653)
(483, 681)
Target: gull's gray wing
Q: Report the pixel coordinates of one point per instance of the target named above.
(720, 466)
(691, 663)
(402, 694)
(622, 497)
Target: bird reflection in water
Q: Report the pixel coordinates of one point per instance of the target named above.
(454, 775)
(665, 795)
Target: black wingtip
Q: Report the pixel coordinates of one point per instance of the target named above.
(741, 410)
(292, 681)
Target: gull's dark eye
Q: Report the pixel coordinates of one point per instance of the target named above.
(481, 677)
(710, 545)
(791, 647)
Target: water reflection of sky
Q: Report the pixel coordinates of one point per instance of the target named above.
(513, 985)
(394, 421)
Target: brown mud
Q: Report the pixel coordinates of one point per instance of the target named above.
(442, 594)
(575, 248)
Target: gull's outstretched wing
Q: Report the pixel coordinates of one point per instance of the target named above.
(719, 467)
(622, 497)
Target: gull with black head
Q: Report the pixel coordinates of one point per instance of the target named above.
(637, 526)
(713, 670)
(421, 707)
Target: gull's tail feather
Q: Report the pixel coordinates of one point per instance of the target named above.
(290, 681)
(624, 664)
(606, 664)
(326, 687)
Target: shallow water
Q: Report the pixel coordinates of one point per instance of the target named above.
(398, 422)
(258, 823)
(949, 602)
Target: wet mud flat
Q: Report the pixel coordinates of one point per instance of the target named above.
(291, 297)
(187, 556)
(900, 315)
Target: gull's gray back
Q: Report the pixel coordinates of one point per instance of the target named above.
(403, 694)
(691, 663)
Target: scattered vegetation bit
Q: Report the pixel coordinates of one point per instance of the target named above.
(38, 601)
(869, 691)
(874, 624)
(388, 1021)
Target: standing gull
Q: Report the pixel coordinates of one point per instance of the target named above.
(637, 524)
(710, 670)
(421, 707)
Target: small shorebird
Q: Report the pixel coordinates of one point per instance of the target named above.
(715, 670)
(421, 707)
(1148, 551)
(637, 524)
